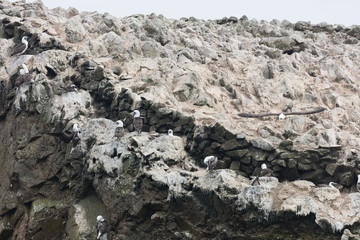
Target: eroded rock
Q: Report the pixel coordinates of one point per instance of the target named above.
(192, 76)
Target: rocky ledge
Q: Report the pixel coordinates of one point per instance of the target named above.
(192, 76)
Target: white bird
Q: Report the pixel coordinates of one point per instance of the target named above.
(358, 183)
(24, 69)
(76, 128)
(101, 228)
(210, 161)
(20, 48)
(75, 135)
(136, 113)
(281, 116)
(170, 132)
(331, 185)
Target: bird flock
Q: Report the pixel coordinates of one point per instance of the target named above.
(210, 161)
(24, 74)
(119, 130)
(24, 77)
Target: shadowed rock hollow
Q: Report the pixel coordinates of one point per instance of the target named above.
(192, 76)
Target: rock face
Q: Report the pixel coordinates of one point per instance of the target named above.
(191, 76)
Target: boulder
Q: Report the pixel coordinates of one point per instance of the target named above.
(150, 49)
(75, 32)
(331, 168)
(262, 144)
(45, 220)
(291, 163)
(305, 167)
(235, 165)
(347, 179)
(279, 162)
(230, 145)
(237, 154)
(113, 43)
(295, 124)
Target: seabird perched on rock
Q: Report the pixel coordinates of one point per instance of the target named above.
(138, 122)
(76, 128)
(69, 135)
(265, 171)
(101, 228)
(21, 47)
(75, 135)
(331, 185)
(170, 132)
(153, 136)
(119, 130)
(358, 183)
(71, 88)
(24, 76)
(281, 116)
(210, 161)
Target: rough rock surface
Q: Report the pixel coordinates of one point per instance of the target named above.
(192, 76)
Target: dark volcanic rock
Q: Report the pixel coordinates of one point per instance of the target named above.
(194, 77)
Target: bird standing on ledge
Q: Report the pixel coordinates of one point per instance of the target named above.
(101, 228)
(24, 77)
(265, 171)
(170, 132)
(75, 136)
(331, 185)
(119, 130)
(21, 47)
(138, 122)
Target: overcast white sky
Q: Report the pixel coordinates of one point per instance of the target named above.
(346, 12)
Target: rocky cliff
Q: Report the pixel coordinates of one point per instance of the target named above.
(192, 76)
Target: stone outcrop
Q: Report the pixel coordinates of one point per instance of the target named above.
(192, 76)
